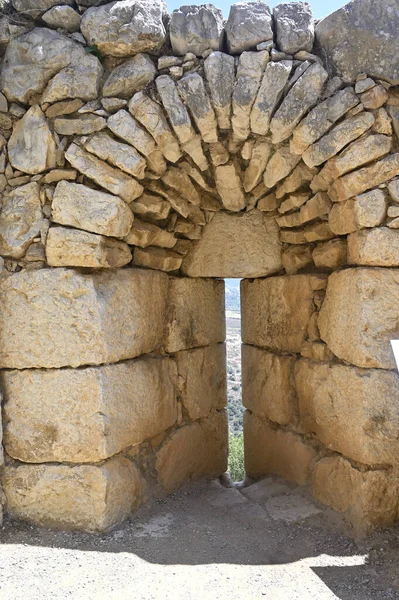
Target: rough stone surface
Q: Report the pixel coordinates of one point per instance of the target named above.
(367, 210)
(377, 247)
(276, 311)
(64, 17)
(244, 245)
(146, 234)
(296, 258)
(89, 498)
(294, 26)
(120, 155)
(196, 29)
(130, 77)
(279, 166)
(193, 451)
(192, 89)
(54, 303)
(373, 327)
(82, 125)
(157, 258)
(257, 164)
(270, 92)
(34, 8)
(268, 385)
(228, 184)
(127, 128)
(331, 255)
(96, 412)
(249, 24)
(195, 314)
(31, 148)
(175, 109)
(125, 28)
(219, 71)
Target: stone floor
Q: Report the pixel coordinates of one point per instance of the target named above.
(207, 541)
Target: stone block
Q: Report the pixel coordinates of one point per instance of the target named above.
(270, 93)
(275, 451)
(192, 90)
(92, 498)
(88, 414)
(196, 29)
(202, 379)
(331, 255)
(352, 411)
(129, 77)
(242, 245)
(194, 451)
(377, 247)
(362, 301)
(195, 314)
(219, 71)
(366, 210)
(66, 318)
(249, 24)
(294, 26)
(157, 258)
(276, 311)
(268, 385)
(296, 258)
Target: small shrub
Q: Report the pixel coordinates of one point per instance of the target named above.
(236, 457)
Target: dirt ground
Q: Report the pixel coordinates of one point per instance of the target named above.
(206, 541)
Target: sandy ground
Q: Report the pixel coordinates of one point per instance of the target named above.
(205, 542)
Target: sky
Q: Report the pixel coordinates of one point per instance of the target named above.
(321, 8)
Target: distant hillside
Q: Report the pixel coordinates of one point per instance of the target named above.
(232, 294)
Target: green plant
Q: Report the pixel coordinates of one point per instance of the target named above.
(236, 457)
(95, 51)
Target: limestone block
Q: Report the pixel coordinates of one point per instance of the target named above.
(130, 77)
(316, 351)
(393, 189)
(196, 29)
(178, 180)
(374, 98)
(294, 27)
(83, 125)
(125, 28)
(219, 71)
(366, 210)
(229, 187)
(195, 314)
(67, 247)
(202, 379)
(372, 326)
(31, 148)
(302, 96)
(194, 149)
(242, 245)
(175, 109)
(249, 24)
(275, 451)
(276, 311)
(279, 166)
(301, 175)
(192, 90)
(151, 207)
(257, 165)
(90, 498)
(269, 95)
(362, 37)
(193, 451)
(64, 107)
(120, 155)
(113, 180)
(34, 8)
(21, 220)
(374, 247)
(146, 234)
(296, 258)
(127, 128)
(368, 499)
(126, 309)
(79, 80)
(292, 202)
(251, 66)
(317, 207)
(157, 258)
(268, 385)
(64, 17)
(331, 255)
(89, 414)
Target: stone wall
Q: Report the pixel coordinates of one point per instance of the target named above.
(144, 154)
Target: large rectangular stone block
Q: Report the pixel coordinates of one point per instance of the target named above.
(89, 498)
(86, 415)
(195, 313)
(276, 311)
(60, 317)
(353, 411)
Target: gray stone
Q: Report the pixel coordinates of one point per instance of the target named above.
(82, 125)
(127, 128)
(35, 8)
(62, 17)
(175, 109)
(219, 71)
(120, 155)
(292, 508)
(192, 89)
(294, 26)
(269, 95)
(249, 24)
(130, 77)
(196, 29)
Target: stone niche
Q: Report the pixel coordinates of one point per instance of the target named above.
(133, 179)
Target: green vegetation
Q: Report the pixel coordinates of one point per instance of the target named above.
(236, 457)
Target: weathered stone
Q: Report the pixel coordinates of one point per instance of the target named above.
(372, 328)
(150, 114)
(92, 423)
(82, 207)
(301, 97)
(112, 105)
(35, 8)
(57, 175)
(316, 351)
(359, 153)
(268, 385)
(146, 234)
(67, 247)
(268, 203)
(331, 255)
(152, 206)
(300, 176)
(180, 181)
(249, 24)
(257, 165)
(31, 148)
(196, 29)
(125, 28)
(393, 189)
(111, 179)
(362, 37)
(192, 89)
(219, 71)
(367, 210)
(79, 80)
(21, 220)
(194, 149)
(120, 155)
(157, 258)
(276, 311)
(82, 125)
(195, 314)
(315, 208)
(296, 258)
(175, 109)
(126, 310)
(62, 16)
(367, 498)
(279, 166)
(374, 248)
(292, 202)
(364, 179)
(127, 128)
(294, 26)
(269, 95)
(65, 107)
(193, 451)
(383, 122)
(219, 154)
(202, 379)
(229, 187)
(89, 498)
(251, 66)
(130, 77)
(350, 410)
(374, 98)
(275, 451)
(244, 245)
